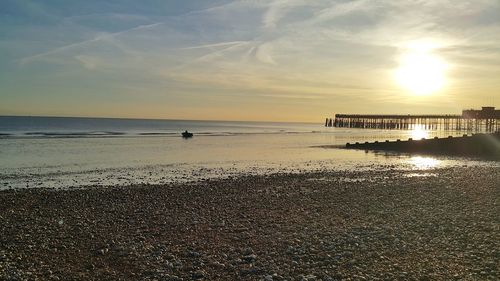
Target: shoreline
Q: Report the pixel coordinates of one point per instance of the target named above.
(435, 224)
(170, 174)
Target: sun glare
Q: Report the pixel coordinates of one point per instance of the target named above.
(424, 162)
(420, 71)
(418, 133)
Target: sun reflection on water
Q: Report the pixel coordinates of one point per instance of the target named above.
(418, 132)
(420, 162)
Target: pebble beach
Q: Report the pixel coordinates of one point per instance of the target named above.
(438, 224)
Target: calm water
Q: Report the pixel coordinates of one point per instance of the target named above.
(72, 152)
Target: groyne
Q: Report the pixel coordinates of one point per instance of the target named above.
(475, 145)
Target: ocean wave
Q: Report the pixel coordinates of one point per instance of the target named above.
(56, 134)
(103, 134)
(158, 134)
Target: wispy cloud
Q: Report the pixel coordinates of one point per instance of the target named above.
(88, 62)
(214, 45)
(97, 38)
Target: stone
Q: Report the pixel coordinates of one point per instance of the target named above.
(249, 258)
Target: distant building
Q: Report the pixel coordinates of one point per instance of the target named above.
(486, 112)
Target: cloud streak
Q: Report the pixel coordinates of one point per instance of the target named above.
(97, 38)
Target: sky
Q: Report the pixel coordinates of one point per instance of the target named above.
(295, 60)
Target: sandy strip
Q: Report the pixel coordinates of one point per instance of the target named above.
(378, 225)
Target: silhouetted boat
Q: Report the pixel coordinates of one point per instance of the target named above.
(187, 134)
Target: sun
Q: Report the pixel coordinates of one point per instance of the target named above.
(421, 72)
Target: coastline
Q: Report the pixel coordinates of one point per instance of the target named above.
(435, 224)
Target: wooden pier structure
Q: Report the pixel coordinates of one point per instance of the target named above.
(485, 120)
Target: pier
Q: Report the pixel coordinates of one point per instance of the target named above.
(485, 120)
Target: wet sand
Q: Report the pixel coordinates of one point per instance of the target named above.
(373, 225)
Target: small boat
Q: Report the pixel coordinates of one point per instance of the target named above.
(187, 134)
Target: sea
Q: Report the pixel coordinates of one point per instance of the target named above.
(70, 152)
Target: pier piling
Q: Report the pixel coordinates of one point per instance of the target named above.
(485, 120)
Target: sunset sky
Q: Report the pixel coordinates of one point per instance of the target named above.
(296, 60)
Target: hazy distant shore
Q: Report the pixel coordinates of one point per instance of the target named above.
(430, 225)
